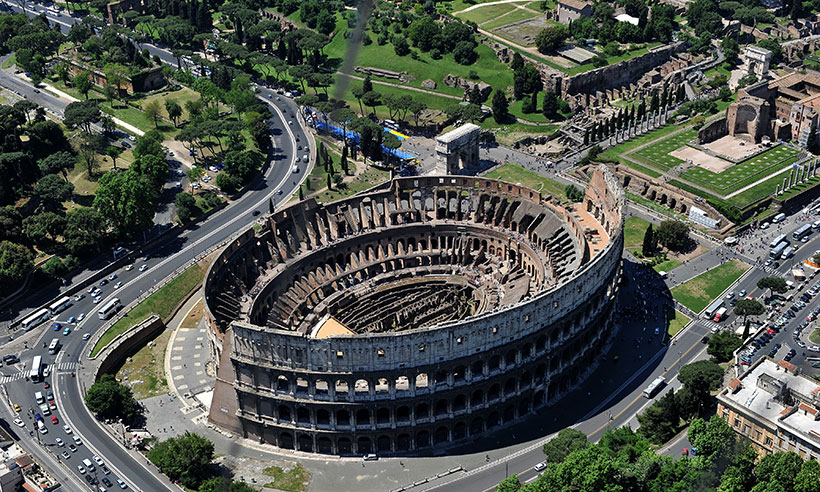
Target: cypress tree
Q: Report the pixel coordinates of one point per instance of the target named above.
(328, 182)
(649, 241)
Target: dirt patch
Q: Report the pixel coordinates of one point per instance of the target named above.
(688, 256)
(144, 372)
(191, 319)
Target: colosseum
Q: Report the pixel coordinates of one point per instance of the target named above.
(413, 315)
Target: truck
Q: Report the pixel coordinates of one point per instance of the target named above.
(720, 314)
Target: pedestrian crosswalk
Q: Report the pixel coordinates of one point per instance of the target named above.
(62, 367)
(8, 378)
(708, 323)
(67, 366)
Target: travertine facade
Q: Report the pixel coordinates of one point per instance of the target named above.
(430, 310)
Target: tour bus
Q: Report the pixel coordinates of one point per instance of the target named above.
(778, 250)
(35, 319)
(391, 125)
(719, 315)
(36, 374)
(805, 230)
(109, 308)
(654, 386)
(779, 218)
(59, 305)
(713, 308)
(779, 239)
(54, 346)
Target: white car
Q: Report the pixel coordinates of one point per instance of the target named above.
(46, 371)
(129, 268)
(19, 423)
(97, 299)
(81, 469)
(86, 336)
(122, 484)
(78, 441)
(90, 289)
(118, 285)
(98, 460)
(81, 317)
(79, 297)
(59, 442)
(143, 268)
(540, 466)
(67, 429)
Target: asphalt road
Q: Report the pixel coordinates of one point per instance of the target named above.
(161, 261)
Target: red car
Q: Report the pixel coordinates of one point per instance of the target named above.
(54, 419)
(46, 386)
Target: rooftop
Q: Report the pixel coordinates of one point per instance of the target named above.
(458, 132)
(575, 4)
(761, 391)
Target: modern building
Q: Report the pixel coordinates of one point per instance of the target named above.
(422, 312)
(570, 10)
(775, 407)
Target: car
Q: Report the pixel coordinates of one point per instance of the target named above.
(540, 466)
(17, 408)
(105, 470)
(54, 419)
(81, 317)
(91, 480)
(90, 289)
(122, 484)
(279, 192)
(67, 429)
(56, 327)
(78, 441)
(97, 299)
(50, 395)
(11, 359)
(295, 169)
(113, 276)
(255, 213)
(776, 264)
(290, 122)
(764, 225)
(801, 344)
(132, 138)
(128, 268)
(66, 455)
(59, 442)
(306, 158)
(745, 363)
(805, 239)
(71, 319)
(81, 469)
(371, 457)
(125, 144)
(768, 262)
(67, 331)
(72, 447)
(816, 365)
(118, 285)
(96, 459)
(145, 258)
(704, 339)
(107, 482)
(742, 292)
(143, 268)
(86, 336)
(298, 159)
(103, 282)
(79, 297)
(19, 423)
(657, 331)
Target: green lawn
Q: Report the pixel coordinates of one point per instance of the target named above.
(296, 479)
(698, 292)
(488, 12)
(745, 172)
(181, 97)
(657, 154)
(163, 303)
(513, 173)
(634, 230)
(666, 266)
(677, 321)
(815, 336)
(514, 16)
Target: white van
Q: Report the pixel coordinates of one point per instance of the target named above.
(88, 464)
(779, 218)
(816, 224)
(787, 254)
(42, 427)
(39, 397)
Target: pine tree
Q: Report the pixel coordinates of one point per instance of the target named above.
(344, 163)
(328, 183)
(649, 242)
(367, 84)
(550, 107)
(500, 106)
(517, 61)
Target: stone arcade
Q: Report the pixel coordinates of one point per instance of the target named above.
(419, 313)
(457, 149)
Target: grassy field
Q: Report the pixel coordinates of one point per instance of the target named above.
(615, 153)
(634, 230)
(514, 16)
(318, 180)
(815, 336)
(514, 173)
(677, 321)
(144, 372)
(744, 172)
(657, 154)
(666, 266)
(488, 12)
(698, 292)
(163, 302)
(296, 479)
(181, 97)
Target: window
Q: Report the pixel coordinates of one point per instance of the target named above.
(737, 422)
(768, 441)
(421, 348)
(380, 352)
(339, 354)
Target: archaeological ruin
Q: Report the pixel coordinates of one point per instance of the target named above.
(423, 312)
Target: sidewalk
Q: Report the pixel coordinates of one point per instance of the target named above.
(131, 128)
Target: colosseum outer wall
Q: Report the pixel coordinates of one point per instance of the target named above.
(547, 334)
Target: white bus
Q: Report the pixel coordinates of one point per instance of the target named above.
(109, 308)
(36, 374)
(35, 319)
(779, 239)
(778, 250)
(713, 308)
(59, 305)
(54, 346)
(654, 386)
(805, 230)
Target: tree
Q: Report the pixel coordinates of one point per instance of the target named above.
(58, 162)
(186, 458)
(650, 242)
(509, 484)
(773, 284)
(372, 99)
(674, 235)
(700, 378)
(228, 183)
(748, 307)
(808, 478)
(779, 469)
(550, 107)
(16, 261)
(660, 421)
(186, 206)
(173, 109)
(126, 199)
(11, 223)
(401, 46)
(500, 106)
(53, 190)
(712, 438)
(44, 229)
(81, 114)
(574, 194)
(464, 53)
(551, 38)
(567, 441)
(114, 153)
(85, 231)
(153, 110)
(722, 345)
(109, 399)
